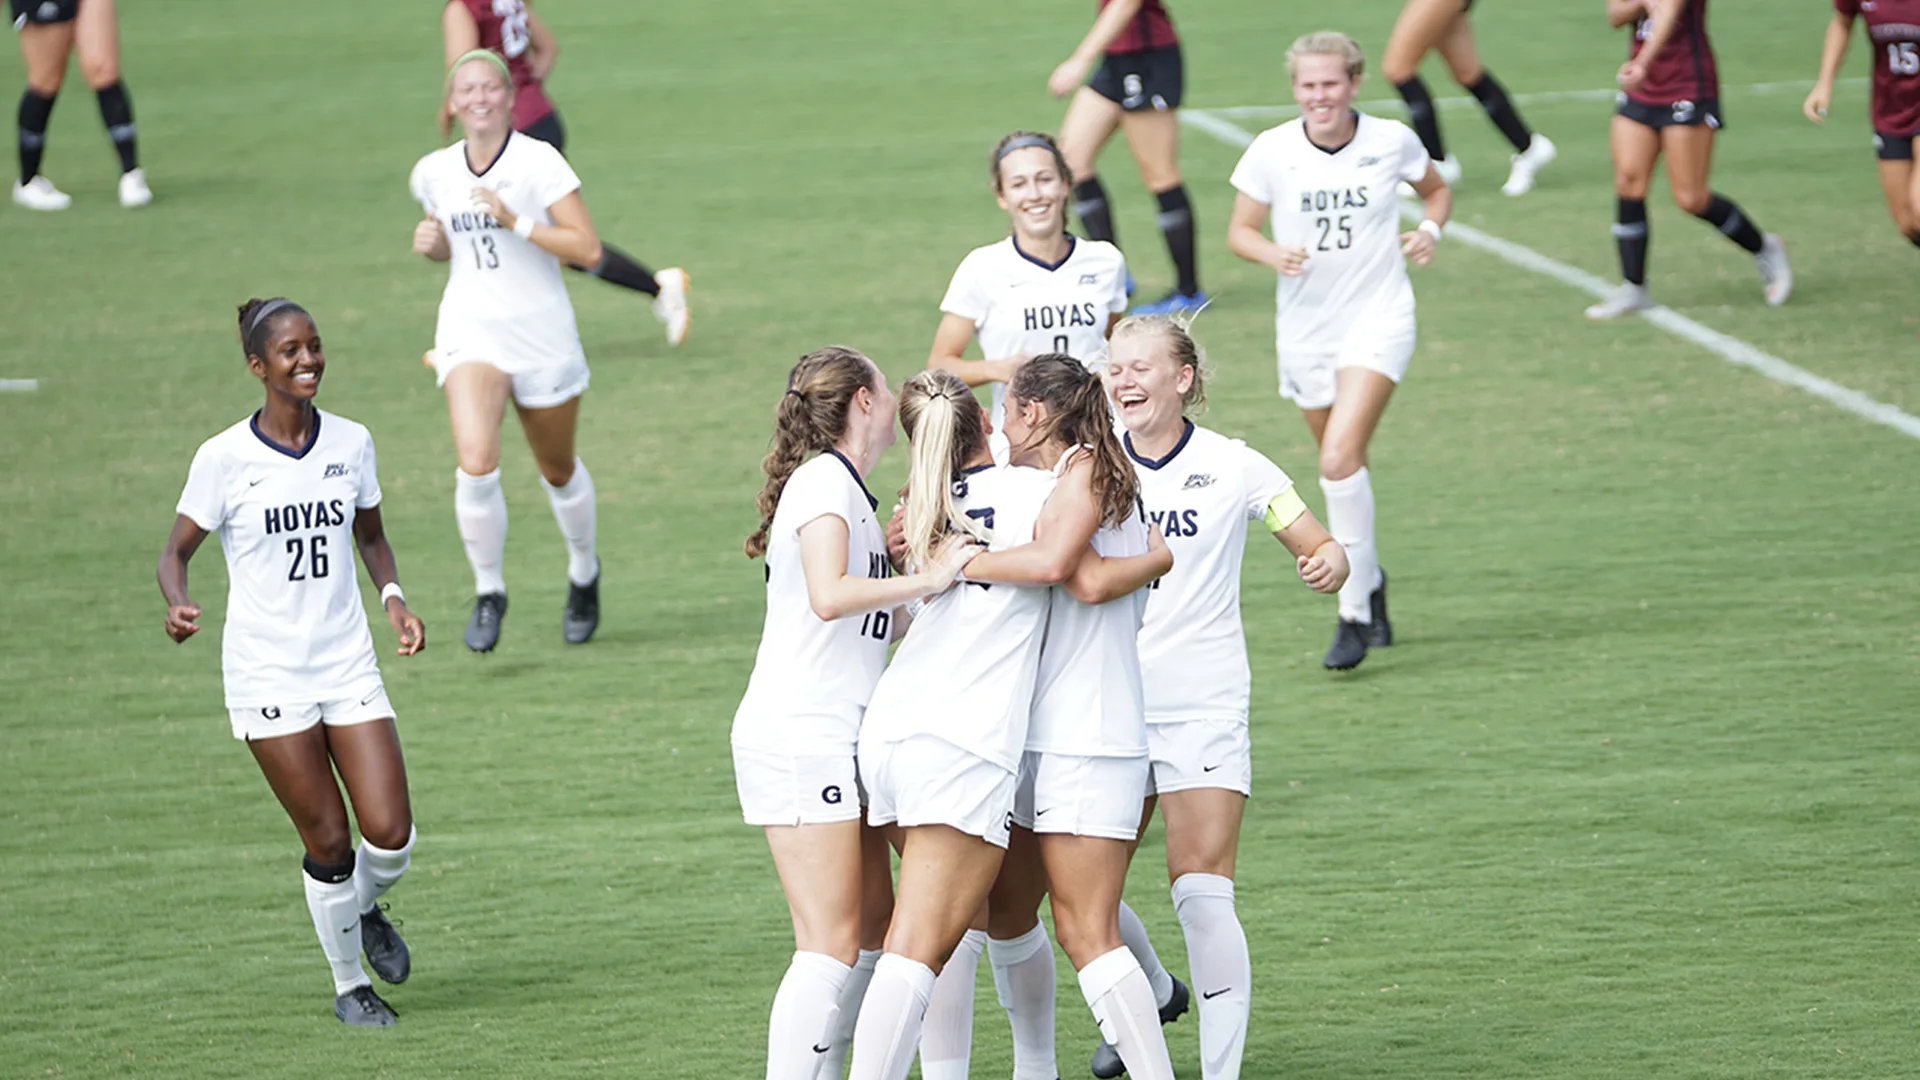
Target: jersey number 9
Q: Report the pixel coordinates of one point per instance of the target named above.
(314, 551)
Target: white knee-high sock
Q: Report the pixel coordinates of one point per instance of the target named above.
(1122, 1003)
(1222, 970)
(335, 908)
(1350, 520)
(573, 509)
(888, 1034)
(800, 1028)
(833, 1062)
(1134, 933)
(946, 1041)
(375, 869)
(1023, 975)
(481, 509)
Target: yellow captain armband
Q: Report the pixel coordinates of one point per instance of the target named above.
(1284, 510)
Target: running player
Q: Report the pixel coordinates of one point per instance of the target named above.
(504, 210)
(1136, 89)
(50, 31)
(293, 492)
(1084, 772)
(1893, 26)
(831, 609)
(511, 29)
(1443, 26)
(1345, 306)
(1039, 290)
(1203, 489)
(1669, 105)
(941, 744)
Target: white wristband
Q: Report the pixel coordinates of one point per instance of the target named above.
(392, 590)
(1431, 228)
(523, 226)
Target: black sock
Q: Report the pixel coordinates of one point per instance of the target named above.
(1630, 234)
(1493, 98)
(117, 112)
(1176, 224)
(618, 267)
(34, 111)
(1426, 123)
(1724, 214)
(1915, 237)
(1090, 205)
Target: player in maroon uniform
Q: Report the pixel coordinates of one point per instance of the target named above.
(50, 31)
(1894, 28)
(1443, 26)
(1135, 89)
(1669, 105)
(510, 28)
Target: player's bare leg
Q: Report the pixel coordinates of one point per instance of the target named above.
(1900, 182)
(1419, 29)
(44, 47)
(97, 41)
(1689, 152)
(820, 869)
(1091, 120)
(371, 765)
(1344, 433)
(1085, 876)
(1636, 147)
(550, 434)
(477, 396)
(1153, 137)
(1532, 151)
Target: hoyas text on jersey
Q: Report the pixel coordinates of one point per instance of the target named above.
(471, 221)
(313, 515)
(1062, 316)
(1333, 199)
(1175, 522)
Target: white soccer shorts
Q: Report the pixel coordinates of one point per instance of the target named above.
(1309, 377)
(1081, 796)
(273, 721)
(925, 780)
(796, 789)
(1189, 754)
(540, 386)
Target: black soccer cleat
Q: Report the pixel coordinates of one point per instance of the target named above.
(483, 630)
(361, 1007)
(1349, 646)
(386, 953)
(1380, 632)
(582, 616)
(1106, 1059)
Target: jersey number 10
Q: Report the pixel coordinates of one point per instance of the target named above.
(876, 625)
(313, 551)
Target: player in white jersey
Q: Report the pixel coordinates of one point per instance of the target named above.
(293, 491)
(1038, 291)
(1202, 489)
(1345, 306)
(503, 210)
(831, 607)
(943, 736)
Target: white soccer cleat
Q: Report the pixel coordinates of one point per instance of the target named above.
(133, 189)
(670, 307)
(1776, 277)
(1625, 300)
(1539, 153)
(40, 194)
(1449, 169)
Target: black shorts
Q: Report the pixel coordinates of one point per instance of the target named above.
(44, 12)
(1141, 81)
(1893, 146)
(548, 129)
(1682, 113)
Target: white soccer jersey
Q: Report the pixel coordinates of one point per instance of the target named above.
(1087, 698)
(1193, 652)
(505, 301)
(965, 671)
(1019, 304)
(1342, 208)
(296, 629)
(812, 678)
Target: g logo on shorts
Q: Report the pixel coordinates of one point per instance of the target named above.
(271, 712)
(831, 795)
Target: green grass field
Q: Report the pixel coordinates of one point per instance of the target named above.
(1634, 796)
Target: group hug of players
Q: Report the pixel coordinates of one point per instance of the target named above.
(1062, 577)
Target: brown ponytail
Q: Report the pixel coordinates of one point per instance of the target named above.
(1078, 415)
(811, 416)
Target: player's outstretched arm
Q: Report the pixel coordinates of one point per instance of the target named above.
(370, 537)
(1665, 15)
(1832, 52)
(1060, 537)
(1101, 579)
(835, 594)
(951, 339)
(182, 612)
(570, 237)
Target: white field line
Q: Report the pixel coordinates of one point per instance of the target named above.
(1730, 349)
(1258, 112)
(19, 386)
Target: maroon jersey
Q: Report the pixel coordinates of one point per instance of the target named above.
(1684, 70)
(504, 29)
(1150, 29)
(1893, 26)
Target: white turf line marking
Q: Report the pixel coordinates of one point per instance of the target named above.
(1255, 112)
(1730, 349)
(19, 386)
